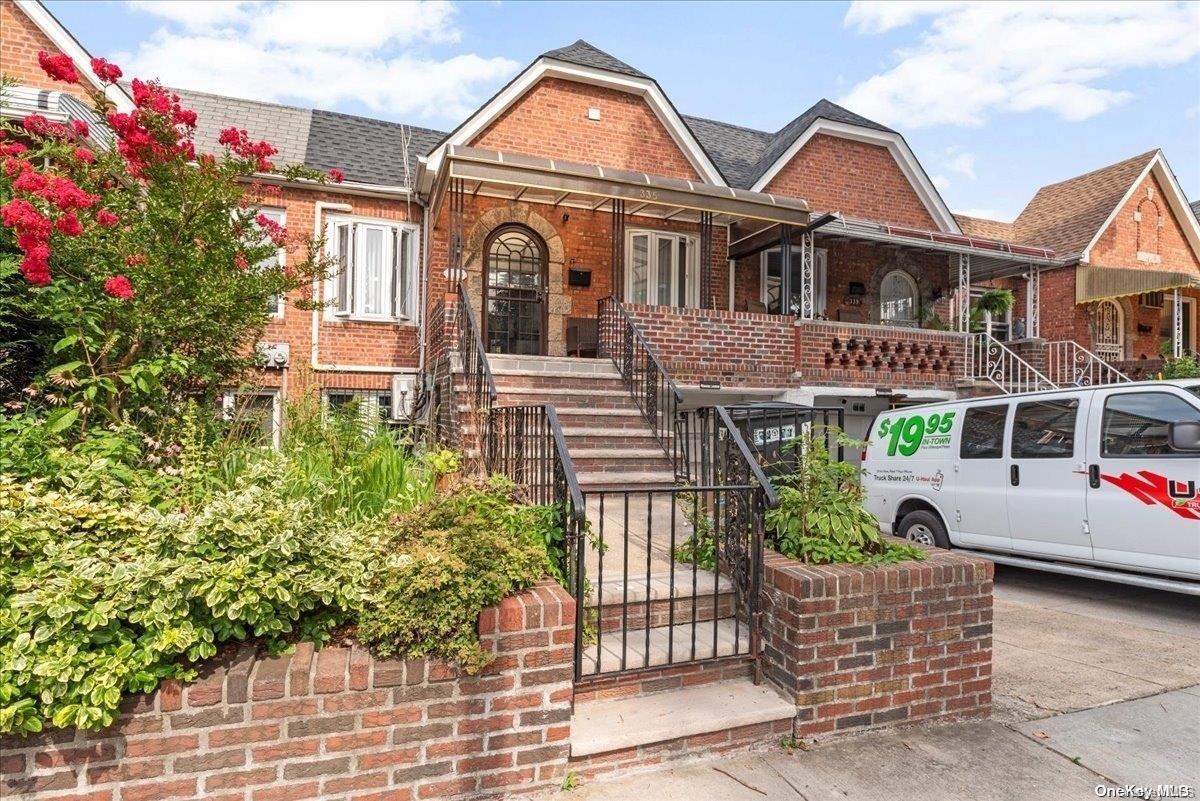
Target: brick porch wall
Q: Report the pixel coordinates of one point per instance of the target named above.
(846, 354)
(862, 647)
(332, 724)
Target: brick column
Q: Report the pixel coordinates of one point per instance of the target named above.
(331, 723)
(861, 647)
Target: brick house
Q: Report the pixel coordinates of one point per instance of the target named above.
(816, 263)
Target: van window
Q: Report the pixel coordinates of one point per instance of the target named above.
(1135, 424)
(983, 432)
(1044, 429)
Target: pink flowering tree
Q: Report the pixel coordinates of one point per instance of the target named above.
(133, 270)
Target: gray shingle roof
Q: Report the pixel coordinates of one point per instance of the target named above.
(586, 55)
(366, 150)
(1195, 204)
(743, 155)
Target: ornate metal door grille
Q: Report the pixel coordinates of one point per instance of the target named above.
(515, 321)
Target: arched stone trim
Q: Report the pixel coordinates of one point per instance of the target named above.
(906, 265)
(473, 259)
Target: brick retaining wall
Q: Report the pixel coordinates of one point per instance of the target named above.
(861, 647)
(337, 723)
(856, 355)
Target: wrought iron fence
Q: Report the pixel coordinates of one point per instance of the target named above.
(1070, 364)
(989, 359)
(477, 373)
(673, 574)
(647, 380)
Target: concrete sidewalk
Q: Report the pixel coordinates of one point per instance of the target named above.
(1151, 741)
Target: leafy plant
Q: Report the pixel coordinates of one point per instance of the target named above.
(996, 302)
(820, 517)
(1186, 366)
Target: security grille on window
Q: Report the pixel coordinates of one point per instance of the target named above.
(374, 277)
(365, 404)
(276, 303)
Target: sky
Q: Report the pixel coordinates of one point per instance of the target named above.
(996, 99)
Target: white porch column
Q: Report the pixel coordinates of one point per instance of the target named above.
(807, 291)
(1033, 303)
(964, 292)
(1177, 324)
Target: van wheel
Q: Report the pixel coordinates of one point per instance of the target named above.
(925, 528)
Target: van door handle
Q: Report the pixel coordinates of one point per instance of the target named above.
(1094, 476)
(1014, 475)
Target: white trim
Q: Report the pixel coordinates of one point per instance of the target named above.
(229, 407)
(552, 68)
(67, 44)
(281, 255)
(327, 288)
(911, 282)
(1175, 197)
(895, 145)
(692, 272)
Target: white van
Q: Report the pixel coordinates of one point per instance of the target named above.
(1097, 481)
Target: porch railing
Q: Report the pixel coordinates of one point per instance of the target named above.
(674, 573)
(646, 379)
(526, 444)
(989, 359)
(1070, 364)
(477, 373)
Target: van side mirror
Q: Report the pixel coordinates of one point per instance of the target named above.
(1184, 436)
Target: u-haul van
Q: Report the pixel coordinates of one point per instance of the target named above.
(1099, 481)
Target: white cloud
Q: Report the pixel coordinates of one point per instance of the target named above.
(319, 53)
(940, 182)
(979, 58)
(986, 213)
(961, 162)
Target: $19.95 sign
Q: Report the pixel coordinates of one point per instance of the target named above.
(908, 434)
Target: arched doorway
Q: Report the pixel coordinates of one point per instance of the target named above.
(1110, 331)
(515, 297)
(898, 299)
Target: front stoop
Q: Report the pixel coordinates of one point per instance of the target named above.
(620, 734)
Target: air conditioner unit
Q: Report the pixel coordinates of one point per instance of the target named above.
(405, 389)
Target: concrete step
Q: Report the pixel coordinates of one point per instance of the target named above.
(605, 725)
(668, 644)
(603, 481)
(551, 364)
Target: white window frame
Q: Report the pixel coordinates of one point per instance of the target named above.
(916, 296)
(369, 406)
(229, 407)
(976, 292)
(691, 273)
(280, 216)
(402, 297)
(820, 277)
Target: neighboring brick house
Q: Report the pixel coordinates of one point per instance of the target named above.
(580, 180)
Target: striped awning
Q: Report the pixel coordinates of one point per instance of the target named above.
(1105, 283)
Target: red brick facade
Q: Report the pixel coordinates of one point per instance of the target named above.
(1145, 225)
(20, 41)
(334, 724)
(865, 647)
(840, 354)
(854, 178)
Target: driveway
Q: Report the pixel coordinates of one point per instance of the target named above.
(1095, 685)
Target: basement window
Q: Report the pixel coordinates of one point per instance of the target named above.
(374, 278)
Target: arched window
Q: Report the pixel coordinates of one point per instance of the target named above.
(1110, 331)
(898, 299)
(515, 321)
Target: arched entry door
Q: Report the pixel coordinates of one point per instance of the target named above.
(1110, 331)
(515, 291)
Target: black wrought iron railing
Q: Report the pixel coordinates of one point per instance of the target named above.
(477, 373)
(673, 574)
(526, 444)
(645, 377)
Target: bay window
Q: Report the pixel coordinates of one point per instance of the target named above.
(662, 269)
(374, 277)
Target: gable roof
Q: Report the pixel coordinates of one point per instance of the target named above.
(988, 229)
(1195, 204)
(368, 151)
(1068, 215)
(586, 55)
(733, 148)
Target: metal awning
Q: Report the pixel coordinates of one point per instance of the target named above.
(1105, 283)
(534, 179)
(990, 258)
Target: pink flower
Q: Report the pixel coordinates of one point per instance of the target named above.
(105, 70)
(36, 271)
(274, 231)
(64, 194)
(106, 219)
(336, 175)
(85, 155)
(12, 149)
(239, 261)
(59, 67)
(38, 125)
(80, 127)
(69, 224)
(185, 116)
(30, 181)
(118, 286)
(135, 259)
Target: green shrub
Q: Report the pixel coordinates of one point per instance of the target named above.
(439, 565)
(99, 599)
(820, 518)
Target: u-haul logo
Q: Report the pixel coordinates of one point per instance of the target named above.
(1180, 497)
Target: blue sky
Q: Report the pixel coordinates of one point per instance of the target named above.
(996, 99)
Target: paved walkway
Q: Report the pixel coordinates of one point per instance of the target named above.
(1095, 685)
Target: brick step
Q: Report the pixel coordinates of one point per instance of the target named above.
(615, 727)
(619, 458)
(701, 608)
(513, 380)
(561, 364)
(564, 396)
(587, 437)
